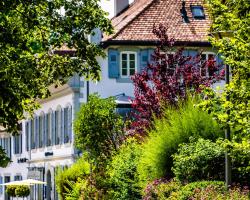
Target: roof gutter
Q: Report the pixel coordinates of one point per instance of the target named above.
(107, 43)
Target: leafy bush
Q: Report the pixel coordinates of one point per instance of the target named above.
(22, 191)
(239, 152)
(10, 190)
(68, 177)
(176, 128)
(199, 160)
(18, 190)
(211, 192)
(4, 159)
(187, 191)
(204, 160)
(97, 127)
(161, 189)
(123, 178)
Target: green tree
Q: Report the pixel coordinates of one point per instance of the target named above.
(98, 128)
(231, 21)
(30, 34)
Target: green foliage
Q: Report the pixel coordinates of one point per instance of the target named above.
(31, 34)
(4, 160)
(68, 177)
(98, 128)
(187, 191)
(162, 190)
(10, 190)
(174, 190)
(204, 160)
(211, 192)
(232, 19)
(122, 172)
(199, 160)
(239, 153)
(176, 128)
(22, 191)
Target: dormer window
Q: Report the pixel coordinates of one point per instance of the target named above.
(198, 12)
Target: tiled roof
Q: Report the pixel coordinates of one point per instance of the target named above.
(136, 22)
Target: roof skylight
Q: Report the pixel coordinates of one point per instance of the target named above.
(198, 12)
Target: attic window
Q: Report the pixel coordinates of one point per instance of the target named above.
(198, 12)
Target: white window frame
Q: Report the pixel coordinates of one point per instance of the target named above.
(128, 67)
(207, 53)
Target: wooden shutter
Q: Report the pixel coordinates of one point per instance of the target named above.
(53, 115)
(113, 63)
(144, 58)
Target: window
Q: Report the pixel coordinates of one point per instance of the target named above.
(17, 178)
(205, 56)
(128, 63)
(198, 12)
(18, 144)
(6, 145)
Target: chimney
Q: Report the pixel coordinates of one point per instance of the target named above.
(120, 5)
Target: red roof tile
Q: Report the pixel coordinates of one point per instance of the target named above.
(136, 22)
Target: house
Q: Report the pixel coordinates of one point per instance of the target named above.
(46, 141)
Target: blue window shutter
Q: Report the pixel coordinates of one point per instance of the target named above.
(53, 128)
(150, 53)
(219, 59)
(113, 63)
(44, 129)
(185, 53)
(62, 126)
(37, 133)
(192, 53)
(1, 187)
(219, 62)
(144, 58)
(70, 123)
(66, 129)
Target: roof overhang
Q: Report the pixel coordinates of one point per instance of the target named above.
(108, 43)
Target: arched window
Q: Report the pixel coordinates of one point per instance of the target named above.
(67, 124)
(41, 130)
(58, 122)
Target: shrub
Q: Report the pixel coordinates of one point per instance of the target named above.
(176, 128)
(97, 128)
(10, 190)
(204, 159)
(161, 189)
(123, 178)
(187, 191)
(68, 177)
(211, 192)
(22, 191)
(199, 160)
(239, 152)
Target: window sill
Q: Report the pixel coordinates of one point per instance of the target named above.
(124, 80)
(17, 155)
